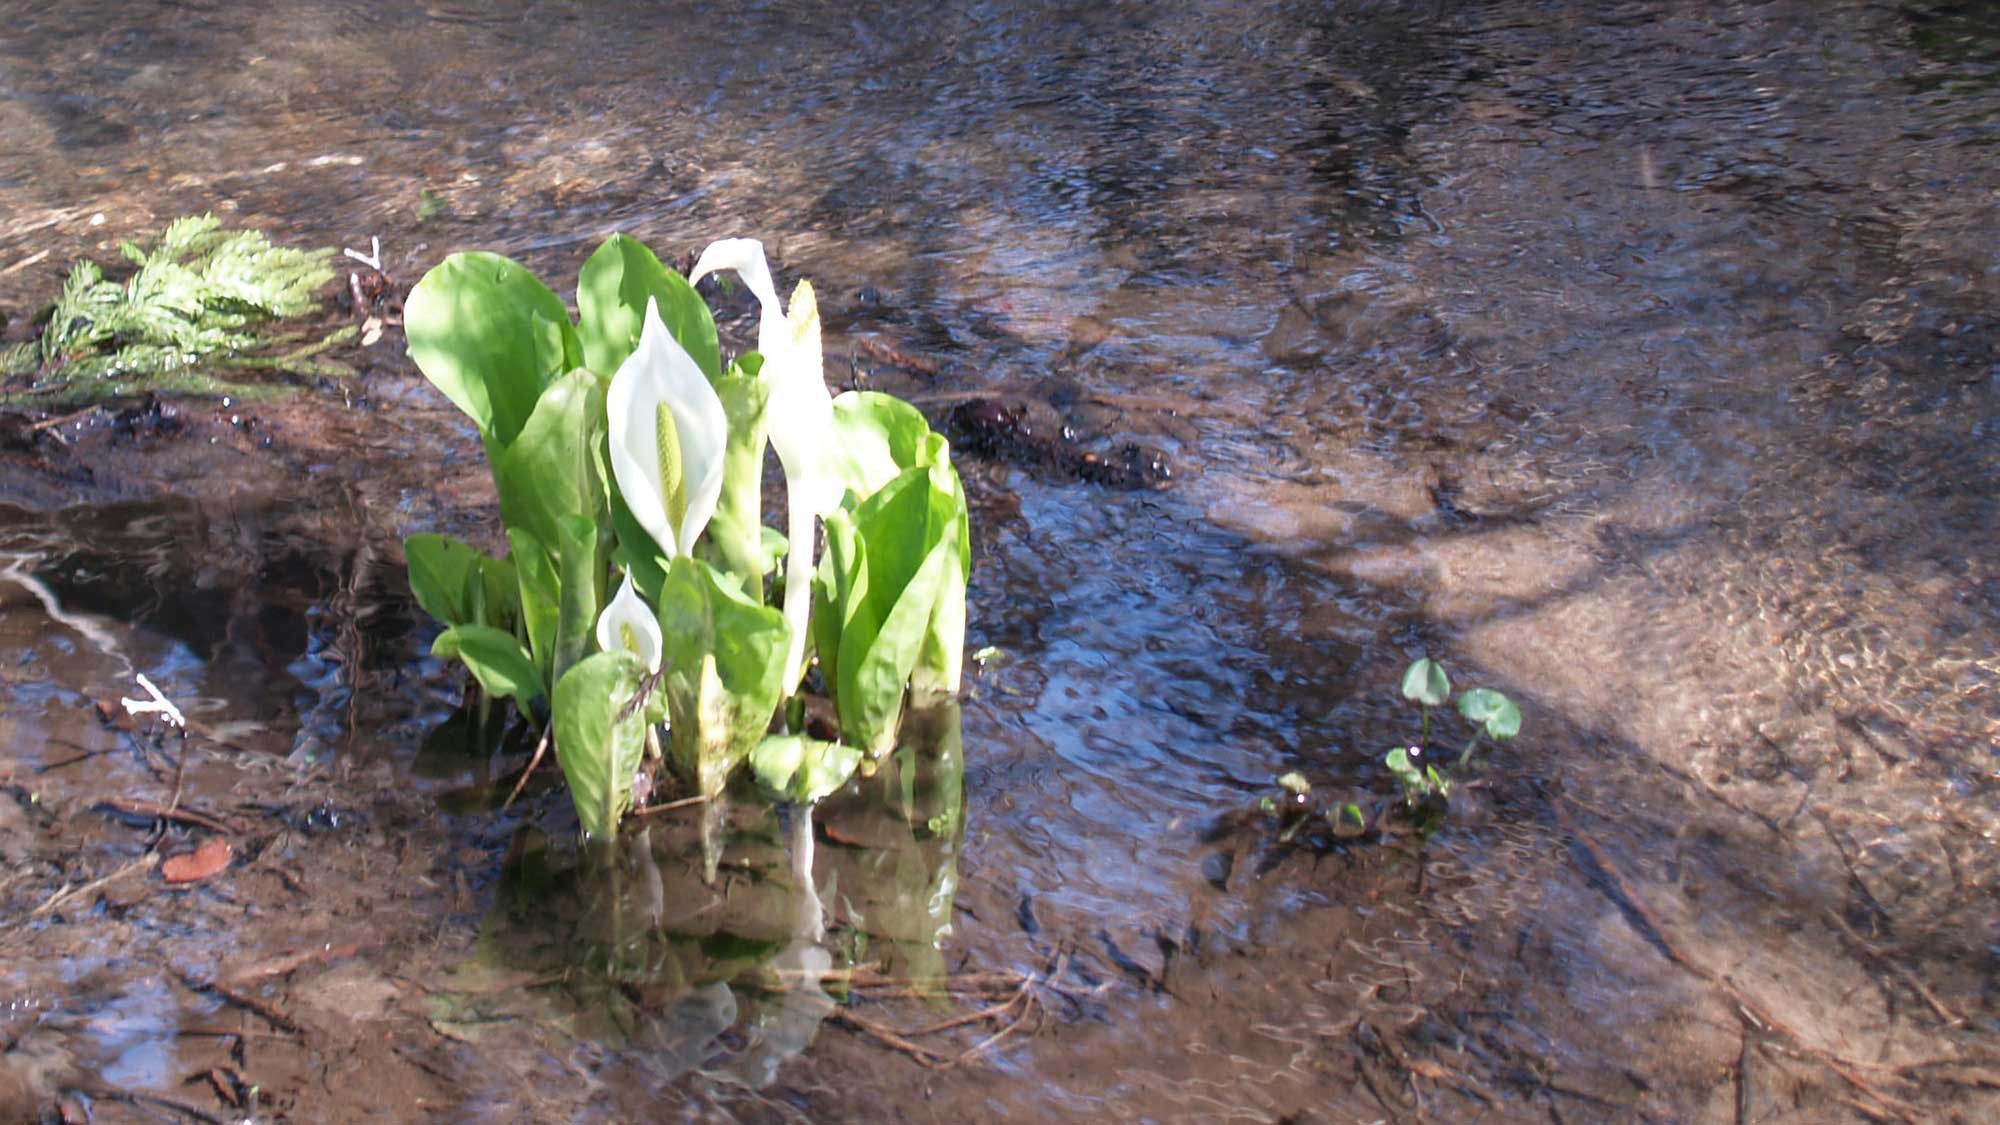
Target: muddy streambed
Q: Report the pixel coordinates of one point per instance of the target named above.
(1639, 360)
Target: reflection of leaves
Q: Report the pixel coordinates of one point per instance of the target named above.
(627, 947)
(802, 770)
(897, 875)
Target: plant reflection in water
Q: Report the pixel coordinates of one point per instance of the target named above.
(622, 943)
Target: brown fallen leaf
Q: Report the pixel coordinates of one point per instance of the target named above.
(204, 862)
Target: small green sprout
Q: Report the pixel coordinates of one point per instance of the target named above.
(1492, 714)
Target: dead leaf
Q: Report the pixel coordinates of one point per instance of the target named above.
(205, 862)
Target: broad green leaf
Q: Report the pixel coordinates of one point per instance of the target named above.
(459, 586)
(941, 661)
(502, 667)
(735, 539)
(579, 572)
(441, 576)
(500, 594)
(551, 470)
(724, 657)
(600, 737)
(875, 437)
(1425, 682)
(840, 586)
(540, 595)
(490, 336)
(792, 767)
(1491, 710)
(611, 294)
(878, 651)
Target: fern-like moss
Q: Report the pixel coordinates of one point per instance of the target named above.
(200, 296)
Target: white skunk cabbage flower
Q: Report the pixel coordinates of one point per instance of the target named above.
(799, 418)
(629, 623)
(667, 434)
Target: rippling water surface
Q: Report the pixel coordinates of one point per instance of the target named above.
(1639, 359)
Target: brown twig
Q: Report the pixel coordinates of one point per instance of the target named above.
(291, 963)
(992, 1040)
(541, 749)
(1950, 1018)
(916, 1051)
(150, 859)
(58, 422)
(992, 1011)
(669, 806)
(248, 1003)
(137, 807)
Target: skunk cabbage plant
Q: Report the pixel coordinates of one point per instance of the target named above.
(628, 460)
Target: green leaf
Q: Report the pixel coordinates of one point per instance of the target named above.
(552, 469)
(636, 551)
(458, 585)
(579, 572)
(490, 336)
(840, 586)
(910, 554)
(1491, 710)
(1399, 763)
(878, 438)
(498, 662)
(940, 663)
(598, 743)
(735, 538)
(611, 293)
(1348, 821)
(875, 437)
(540, 596)
(724, 657)
(1426, 683)
(792, 767)
(500, 594)
(441, 576)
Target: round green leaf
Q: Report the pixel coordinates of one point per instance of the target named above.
(1491, 710)
(1426, 683)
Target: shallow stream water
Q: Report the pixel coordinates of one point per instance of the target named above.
(1641, 360)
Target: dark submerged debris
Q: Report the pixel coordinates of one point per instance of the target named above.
(1034, 436)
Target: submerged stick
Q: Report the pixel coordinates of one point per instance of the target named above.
(541, 749)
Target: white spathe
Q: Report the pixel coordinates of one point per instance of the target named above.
(659, 371)
(799, 419)
(630, 624)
